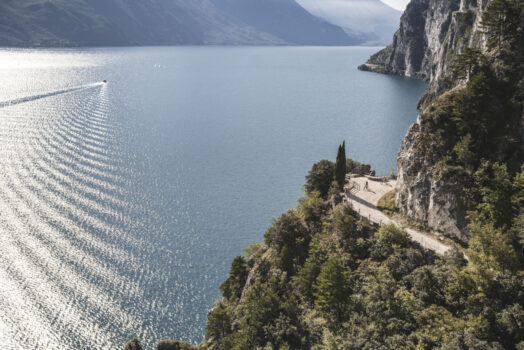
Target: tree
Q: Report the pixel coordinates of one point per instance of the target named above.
(344, 220)
(319, 178)
(263, 307)
(493, 189)
(392, 174)
(331, 289)
(392, 236)
(466, 63)
(340, 165)
(501, 22)
(218, 323)
(174, 345)
(234, 285)
(352, 166)
(306, 278)
(488, 250)
(290, 238)
(133, 344)
(463, 152)
(312, 209)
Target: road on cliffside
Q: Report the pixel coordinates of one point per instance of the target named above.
(364, 201)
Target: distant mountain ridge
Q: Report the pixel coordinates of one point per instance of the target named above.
(70, 23)
(118, 22)
(163, 22)
(287, 20)
(370, 20)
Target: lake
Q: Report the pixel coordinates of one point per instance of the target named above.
(123, 204)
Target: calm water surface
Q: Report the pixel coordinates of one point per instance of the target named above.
(123, 204)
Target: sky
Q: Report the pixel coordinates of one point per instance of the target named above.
(397, 4)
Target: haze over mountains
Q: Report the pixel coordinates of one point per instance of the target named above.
(189, 22)
(370, 19)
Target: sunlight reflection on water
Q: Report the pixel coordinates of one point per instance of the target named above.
(122, 204)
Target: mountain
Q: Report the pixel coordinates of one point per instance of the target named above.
(163, 22)
(287, 20)
(465, 131)
(118, 22)
(371, 20)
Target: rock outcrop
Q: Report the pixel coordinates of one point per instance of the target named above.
(432, 33)
(422, 196)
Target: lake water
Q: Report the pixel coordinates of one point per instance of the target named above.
(123, 204)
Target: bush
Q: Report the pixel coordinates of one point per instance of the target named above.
(387, 204)
(233, 286)
(174, 345)
(133, 344)
(290, 238)
(319, 178)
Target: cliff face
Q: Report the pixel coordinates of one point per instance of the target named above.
(421, 195)
(432, 33)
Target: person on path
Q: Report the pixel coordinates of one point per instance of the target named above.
(366, 186)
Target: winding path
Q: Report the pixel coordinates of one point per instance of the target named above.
(364, 201)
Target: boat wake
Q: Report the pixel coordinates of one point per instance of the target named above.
(48, 94)
(65, 251)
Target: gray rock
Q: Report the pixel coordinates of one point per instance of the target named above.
(431, 34)
(424, 198)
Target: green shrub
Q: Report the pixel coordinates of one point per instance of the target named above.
(387, 204)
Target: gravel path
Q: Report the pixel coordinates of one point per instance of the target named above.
(364, 201)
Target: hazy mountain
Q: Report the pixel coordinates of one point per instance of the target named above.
(369, 19)
(287, 20)
(163, 22)
(121, 22)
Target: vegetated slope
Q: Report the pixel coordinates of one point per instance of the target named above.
(371, 20)
(287, 20)
(326, 279)
(165, 22)
(117, 22)
(84, 23)
(467, 145)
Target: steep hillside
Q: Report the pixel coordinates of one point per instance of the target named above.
(471, 117)
(165, 22)
(430, 34)
(287, 20)
(371, 20)
(326, 278)
(116, 22)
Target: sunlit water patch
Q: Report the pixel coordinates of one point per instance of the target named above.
(122, 204)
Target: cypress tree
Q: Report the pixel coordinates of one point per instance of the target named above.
(340, 165)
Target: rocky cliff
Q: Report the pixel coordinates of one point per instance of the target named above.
(421, 195)
(433, 34)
